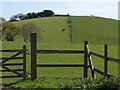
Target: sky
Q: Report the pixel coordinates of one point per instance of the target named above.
(101, 8)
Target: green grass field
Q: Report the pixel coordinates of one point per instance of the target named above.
(95, 29)
(98, 31)
(52, 28)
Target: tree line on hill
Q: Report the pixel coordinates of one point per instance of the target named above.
(9, 30)
(44, 13)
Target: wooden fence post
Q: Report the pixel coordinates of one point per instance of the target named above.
(24, 62)
(106, 60)
(85, 59)
(33, 56)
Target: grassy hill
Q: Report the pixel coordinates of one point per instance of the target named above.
(51, 28)
(95, 29)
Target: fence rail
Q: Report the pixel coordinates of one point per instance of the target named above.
(97, 55)
(87, 59)
(4, 58)
(12, 64)
(109, 58)
(114, 60)
(106, 59)
(102, 73)
(60, 51)
(34, 53)
(60, 65)
(22, 72)
(11, 76)
(10, 70)
(18, 50)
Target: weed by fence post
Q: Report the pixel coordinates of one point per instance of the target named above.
(106, 60)
(85, 59)
(24, 62)
(33, 56)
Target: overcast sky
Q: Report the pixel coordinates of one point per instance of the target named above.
(102, 8)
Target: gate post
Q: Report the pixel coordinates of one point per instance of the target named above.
(33, 40)
(106, 60)
(85, 59)
(24, 62)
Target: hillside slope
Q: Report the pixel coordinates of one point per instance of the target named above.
(96, 30)
(51, 28)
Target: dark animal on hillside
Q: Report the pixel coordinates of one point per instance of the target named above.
(43, 30)
(63, 29)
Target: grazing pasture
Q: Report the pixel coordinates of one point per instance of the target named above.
(95, 29)
(98, 31)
